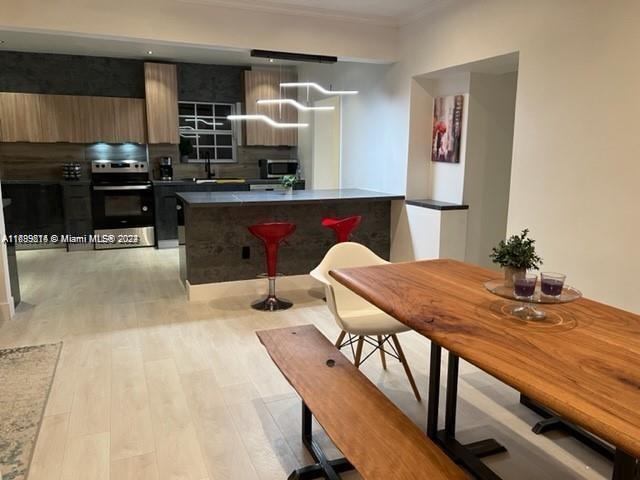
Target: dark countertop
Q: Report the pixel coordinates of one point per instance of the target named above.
(227, 199)
(247, 181)
(437, 205)
(47, 182)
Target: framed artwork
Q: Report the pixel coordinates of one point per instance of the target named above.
(447, 128)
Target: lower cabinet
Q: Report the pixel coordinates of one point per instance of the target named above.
(167, 208)
(78, 220)
(36, 209)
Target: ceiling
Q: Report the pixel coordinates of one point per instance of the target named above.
(25, 41)
(379, 12)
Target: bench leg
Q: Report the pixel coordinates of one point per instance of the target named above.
(323, 468)
(466, 455)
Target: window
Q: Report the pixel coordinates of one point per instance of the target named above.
(206, 126)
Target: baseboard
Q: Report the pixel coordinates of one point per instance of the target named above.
(255, 287)
(7, 310)
(167, 244)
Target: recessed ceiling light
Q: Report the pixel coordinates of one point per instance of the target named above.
(149, 52)
(271, 60)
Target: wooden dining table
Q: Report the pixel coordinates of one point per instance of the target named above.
(581, 362)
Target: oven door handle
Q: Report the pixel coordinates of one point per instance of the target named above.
(122, 187)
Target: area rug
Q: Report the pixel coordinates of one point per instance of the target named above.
(26, 374)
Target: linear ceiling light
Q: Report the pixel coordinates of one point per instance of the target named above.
(270, 121)
(319, 88)
(293, 57)
(191, 119)
(298, 105)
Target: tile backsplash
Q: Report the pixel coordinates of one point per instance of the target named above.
(246, 166)
(43, 161)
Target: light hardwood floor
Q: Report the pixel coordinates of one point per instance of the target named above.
(152, 387)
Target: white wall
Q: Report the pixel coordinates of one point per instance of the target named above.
(327, 146)
(6, 299)
(446, 180)
(198, 23)
(489, 138)
(575, 168)
(369, 125)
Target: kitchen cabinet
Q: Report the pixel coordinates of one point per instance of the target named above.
(77, 211)
(265, 84)
(36, 208)
(167, 207)
(26, 117)
(161, 92)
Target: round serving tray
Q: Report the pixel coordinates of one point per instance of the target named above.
(569, 294)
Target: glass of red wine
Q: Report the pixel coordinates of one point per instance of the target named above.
(524, 288)
(551, 283)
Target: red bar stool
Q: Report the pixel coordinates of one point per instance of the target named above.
(272, 234)
(342, 226)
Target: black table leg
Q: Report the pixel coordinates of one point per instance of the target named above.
(625, 467)
(323, 468)
(554, 422)
(434, 390)
(466, 455)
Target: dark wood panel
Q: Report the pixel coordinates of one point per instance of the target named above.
(582, 363)
(374, 435)
(215, 237)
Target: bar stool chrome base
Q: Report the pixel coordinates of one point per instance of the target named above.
(271, 304)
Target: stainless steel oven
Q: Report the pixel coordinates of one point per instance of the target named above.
(122, 204)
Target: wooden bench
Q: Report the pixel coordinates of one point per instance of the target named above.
(376, 438)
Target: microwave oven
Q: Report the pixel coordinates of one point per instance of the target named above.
(277, 168)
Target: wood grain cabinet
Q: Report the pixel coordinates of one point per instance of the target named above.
(26, 117)
(265, 84)
(161, 91)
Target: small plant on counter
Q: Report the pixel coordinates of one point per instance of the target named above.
(516, 256)
(288, 181)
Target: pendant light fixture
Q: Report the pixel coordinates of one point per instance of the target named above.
(211, 124)
(294, 103)
(318, 88)
(267, 120)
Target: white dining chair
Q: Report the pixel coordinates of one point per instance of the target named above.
(360, 321)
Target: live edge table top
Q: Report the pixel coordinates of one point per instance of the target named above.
(582, 361)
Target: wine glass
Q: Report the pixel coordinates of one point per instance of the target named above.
(524, 288)
(551, 284)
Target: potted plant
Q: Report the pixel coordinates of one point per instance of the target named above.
(516, 256)
(287, 182)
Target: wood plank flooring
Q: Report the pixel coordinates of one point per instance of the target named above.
(152, 387)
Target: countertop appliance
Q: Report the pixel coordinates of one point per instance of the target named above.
(166, 168)
(122, 203)
(272, 168)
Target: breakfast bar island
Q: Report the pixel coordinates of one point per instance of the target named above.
(218, 246)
